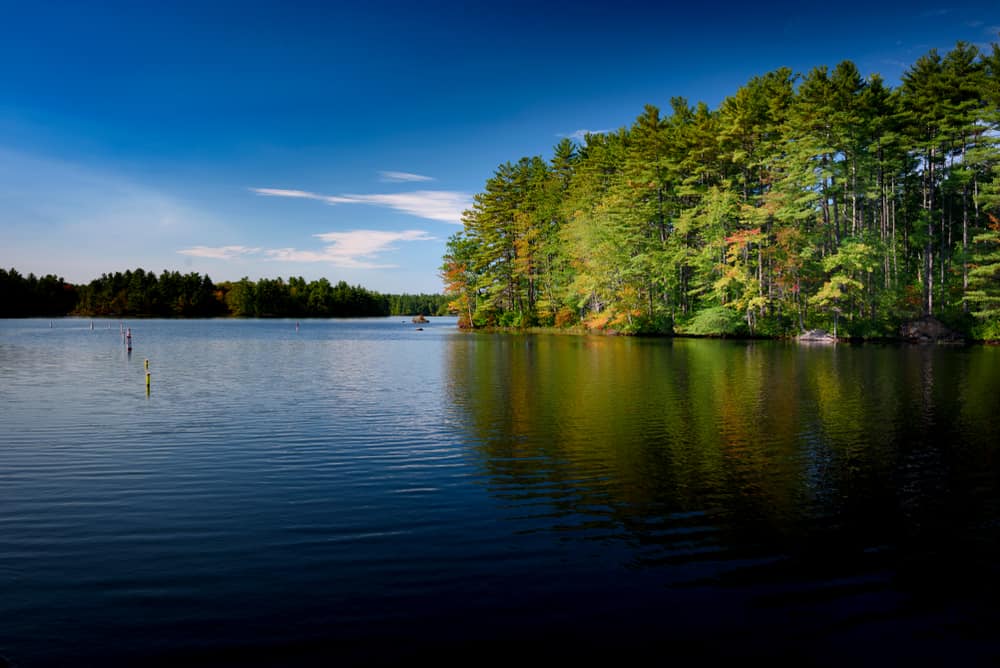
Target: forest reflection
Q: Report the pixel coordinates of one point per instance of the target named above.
(691, 450)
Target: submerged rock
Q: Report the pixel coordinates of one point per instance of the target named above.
(928, 329)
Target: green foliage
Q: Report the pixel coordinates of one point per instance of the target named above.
(513, 319)
(777, 325)
(803, 199)
(986, 331)
(984, 277)
(420, 304)
(716, 321)
(26, 296)
(142, 293)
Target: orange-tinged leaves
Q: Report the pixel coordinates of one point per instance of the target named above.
(744, 237)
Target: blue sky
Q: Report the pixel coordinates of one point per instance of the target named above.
(344, 139)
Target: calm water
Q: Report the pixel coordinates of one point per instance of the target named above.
(363, 492)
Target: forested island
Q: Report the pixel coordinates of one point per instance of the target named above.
(825, 200)
(172, 294)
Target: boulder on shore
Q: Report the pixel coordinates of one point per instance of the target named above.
(928, 329)
(817, 336)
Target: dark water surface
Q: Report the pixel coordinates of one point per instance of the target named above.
(361, 492)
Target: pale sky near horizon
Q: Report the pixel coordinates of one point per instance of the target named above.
(343, 140)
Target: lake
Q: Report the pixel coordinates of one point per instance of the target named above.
(362, 492)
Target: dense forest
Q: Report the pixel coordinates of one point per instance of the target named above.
(821, 200)
(172, 294)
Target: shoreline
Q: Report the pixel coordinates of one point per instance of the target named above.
(830, 340)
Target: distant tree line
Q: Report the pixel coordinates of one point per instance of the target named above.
(27, 296)
(172, 294)
(803, 201)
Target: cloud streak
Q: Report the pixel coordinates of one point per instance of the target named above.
(219, 252)
(356, 249)
(442, 205)
(302, 194)
(403, 177)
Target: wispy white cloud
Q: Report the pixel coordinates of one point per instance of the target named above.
(403, 177)
(443, 205)
(219, 252)
(582, 133)
(302, 194)
(357, 249)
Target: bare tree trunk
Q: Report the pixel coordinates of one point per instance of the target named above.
(836, 210)
(854, 197)
(892, 211)
(928, 243)
(826, 218)
(943, 257)
(965, 246)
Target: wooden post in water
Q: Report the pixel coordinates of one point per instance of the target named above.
(128, 339)
(147, 378)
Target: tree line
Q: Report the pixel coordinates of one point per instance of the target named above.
(819, 200)
(172, 294)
